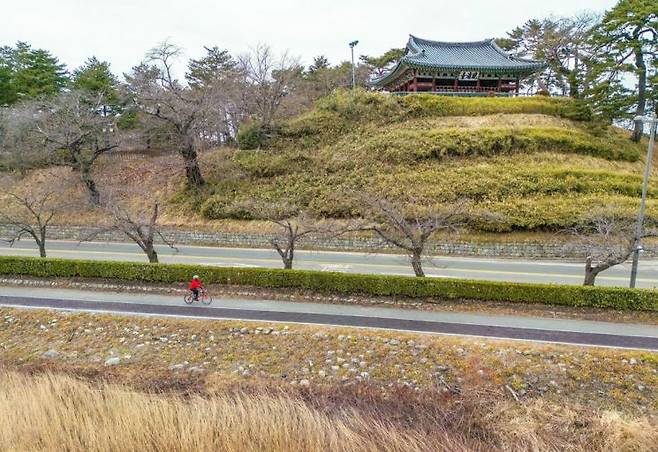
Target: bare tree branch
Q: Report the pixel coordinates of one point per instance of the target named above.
(31, 215)
(410, 228)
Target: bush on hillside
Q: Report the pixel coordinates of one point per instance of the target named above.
(252, 135)
(402, 145)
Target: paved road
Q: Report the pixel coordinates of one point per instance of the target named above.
(467, 324)
(455, 267)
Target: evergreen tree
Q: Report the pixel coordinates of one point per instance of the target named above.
(381, 64)
(95, 77)
(35, 72)
(562, 43)
(626, 45)
(217, 65)
(319, 62)
(8, 94)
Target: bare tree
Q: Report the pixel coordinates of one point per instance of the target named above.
(20, 148)
(29, 215)
(138, 224)
(412, 228)
(67, 130)
(143, 233)
(296, 229)
(189, 112)
(268, 81)
(294, 225)
(608, 241)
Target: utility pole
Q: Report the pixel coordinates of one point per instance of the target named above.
(652, 121)
(352, 45)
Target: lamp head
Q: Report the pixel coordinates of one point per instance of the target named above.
(353, 43)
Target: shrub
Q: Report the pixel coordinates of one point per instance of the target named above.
(344, 283)
(252, 135)
(399, 145)
(262, 164)
(219, 208)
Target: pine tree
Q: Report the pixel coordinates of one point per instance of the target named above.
(319, 62)
(95, 77)
(626, 45)
(35, 72)
(8, 94)
(562, 43)
(380, 64)
(216, 65)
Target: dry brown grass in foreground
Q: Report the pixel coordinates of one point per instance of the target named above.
(51, 412)
(55, 412)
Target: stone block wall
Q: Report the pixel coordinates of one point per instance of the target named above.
(455, 248)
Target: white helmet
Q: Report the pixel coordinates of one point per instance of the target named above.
(195, 277)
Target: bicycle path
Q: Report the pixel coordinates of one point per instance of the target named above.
(539, 329)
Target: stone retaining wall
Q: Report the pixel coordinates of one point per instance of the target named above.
(456, 248)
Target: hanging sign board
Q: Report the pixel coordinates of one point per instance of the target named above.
(469, 75)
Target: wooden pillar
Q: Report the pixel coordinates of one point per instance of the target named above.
(415, 82)
(478, 85)
(456, 84)
(500, 82)
(434, 83)
(517, 85)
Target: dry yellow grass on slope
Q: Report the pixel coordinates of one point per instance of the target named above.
(55, 412)
(50, 412)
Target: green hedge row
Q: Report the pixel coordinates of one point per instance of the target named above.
(344, 283)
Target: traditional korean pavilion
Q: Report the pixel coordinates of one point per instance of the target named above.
(457, 68)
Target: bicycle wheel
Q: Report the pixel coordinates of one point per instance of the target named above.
(206, 298)
(189, 298)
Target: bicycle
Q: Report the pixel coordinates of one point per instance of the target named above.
(204, 297)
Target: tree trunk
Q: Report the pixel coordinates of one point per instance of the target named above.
(42, 241)
(590, 276)
(94, 195)
(641, 93)
(290, 253)
(151, 253)
(417, 264)
(591, 272)
(42, 249)
(192, 170)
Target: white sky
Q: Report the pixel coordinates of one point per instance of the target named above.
(121, 31)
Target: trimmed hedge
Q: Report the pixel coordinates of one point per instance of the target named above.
(344, 283)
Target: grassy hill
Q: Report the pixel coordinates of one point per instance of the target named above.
(540, 163)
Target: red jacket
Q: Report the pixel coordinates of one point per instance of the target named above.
(196, 284)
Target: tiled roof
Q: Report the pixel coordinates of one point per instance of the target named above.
(463, 56)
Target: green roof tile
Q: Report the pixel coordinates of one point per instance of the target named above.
(463, 56)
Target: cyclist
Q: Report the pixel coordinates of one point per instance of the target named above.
(195, 285)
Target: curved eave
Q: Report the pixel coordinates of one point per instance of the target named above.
(528, 67)
(390, 75)
(406, 63)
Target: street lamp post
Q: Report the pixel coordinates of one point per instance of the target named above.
(652, 121)
(352, 45)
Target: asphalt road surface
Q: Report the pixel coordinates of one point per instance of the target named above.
(452, 323)
(516, 270)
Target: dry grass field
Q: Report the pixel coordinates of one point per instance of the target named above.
(85, 382)
(50, 412)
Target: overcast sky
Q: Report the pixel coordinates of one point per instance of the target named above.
(121, 31)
